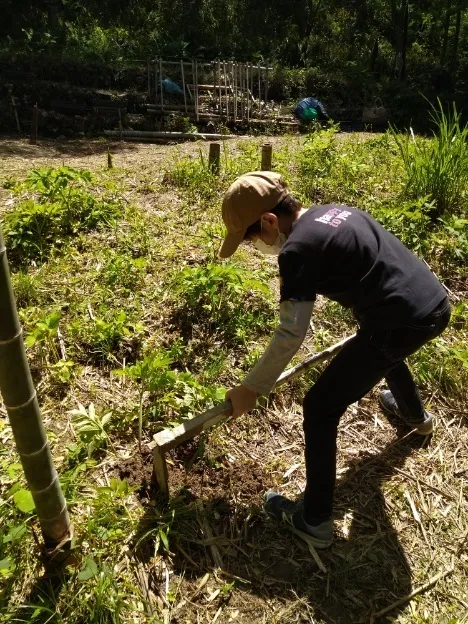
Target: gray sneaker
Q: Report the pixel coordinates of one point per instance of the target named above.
(282, 509)
(389, 405)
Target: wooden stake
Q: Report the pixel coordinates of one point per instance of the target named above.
(155, 82)
(226, 92)
(219, 84)
(161, 83)
(183, 83)
(197, 107)
(214, 157)
(267, 152)
(34, 123)
(247, 75)
(149, 78)
(234, 78)
(160, 470)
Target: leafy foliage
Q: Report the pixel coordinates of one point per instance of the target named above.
(438, 169)
(61, 207)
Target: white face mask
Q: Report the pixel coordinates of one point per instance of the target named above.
(271, 250)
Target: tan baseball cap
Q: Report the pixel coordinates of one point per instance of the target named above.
(244, 203)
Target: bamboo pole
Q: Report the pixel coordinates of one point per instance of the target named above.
(234, 78)
(219, 84)
(148, 134)
(183, 83)
(241, 87)
(149, 78)
(197, 104)
(247, 76)
(20, 399)
(155, 82)
(161, 83)
(266, 86)
(226, 92)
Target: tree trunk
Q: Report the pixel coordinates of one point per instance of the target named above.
(448, 14)
(456, 40)
(19, 397)
(374, 54)
(400, 17)
(404, 45)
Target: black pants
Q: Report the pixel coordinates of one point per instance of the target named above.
(362, 363)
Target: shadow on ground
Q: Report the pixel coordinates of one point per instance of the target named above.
(54, 148)
(366, 570)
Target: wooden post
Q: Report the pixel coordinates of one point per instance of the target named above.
(155, 82)
(234, 79)
(34, 123)
(160, 470)
(183, 83)
(259, 85)
(197, 108)
(241, 83)
(214, 157)
(161, 83)
(226, 92)
(247, 76)
(149, 78)
(267, 150)
(219, 84)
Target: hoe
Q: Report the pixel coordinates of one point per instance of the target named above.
(168, 439)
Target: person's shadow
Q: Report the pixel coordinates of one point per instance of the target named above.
(366, 569)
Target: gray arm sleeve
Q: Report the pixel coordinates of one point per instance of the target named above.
(289, 335)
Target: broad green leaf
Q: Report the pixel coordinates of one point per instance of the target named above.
(24, 500)
(14, 533)
(89, 570)
(6, 564)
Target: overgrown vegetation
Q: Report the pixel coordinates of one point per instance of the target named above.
(132, 324)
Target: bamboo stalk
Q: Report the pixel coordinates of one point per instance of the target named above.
(149, 78)
(155, 83)
(197, 104)
(20, 399)
(226, 92)
(219, 84)
(234, 78)
(149, 134)
(247, 77)
(183, 83)
(161, 83)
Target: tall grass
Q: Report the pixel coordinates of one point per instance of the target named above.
(437, 169)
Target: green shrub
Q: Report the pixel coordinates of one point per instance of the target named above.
(61, 207)
(223, 297)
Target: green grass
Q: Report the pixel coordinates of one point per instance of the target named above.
(153, 329)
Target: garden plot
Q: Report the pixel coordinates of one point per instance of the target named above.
(133, 325)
